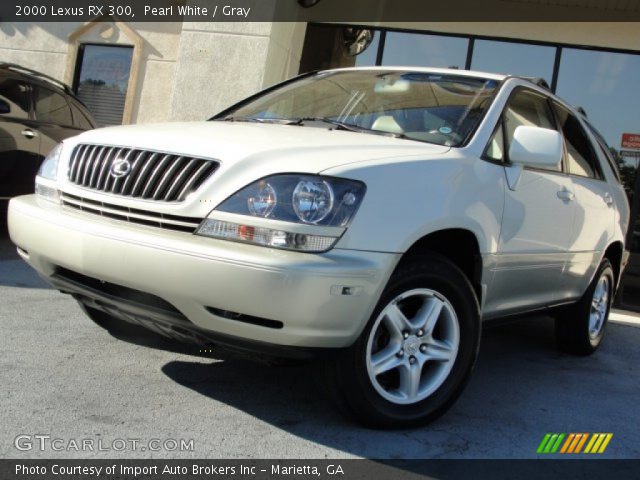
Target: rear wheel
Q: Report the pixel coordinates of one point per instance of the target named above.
(580, 327)
(417, 351)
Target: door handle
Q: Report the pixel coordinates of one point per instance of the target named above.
(565, 195)
(608, 199)
(27, 132)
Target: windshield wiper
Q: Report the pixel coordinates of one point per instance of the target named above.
(346, 126)
(337, 125)
(279, 121)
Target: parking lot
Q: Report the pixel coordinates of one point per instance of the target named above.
(66, 377)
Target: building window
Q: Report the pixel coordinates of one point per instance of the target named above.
(413, 49)
(369, 57)
(328, 47)
(602, 81)
(102, 78)
(510, 58)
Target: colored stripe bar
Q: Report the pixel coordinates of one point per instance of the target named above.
(593, 439)
(556, 445)
(575, 442)
(607, 439)
(567, 442)
(581, 443)
(599, 440)
(543, 443)
(550, 443)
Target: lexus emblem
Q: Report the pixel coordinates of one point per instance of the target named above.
(120, 168)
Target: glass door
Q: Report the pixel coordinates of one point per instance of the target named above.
(629, 294)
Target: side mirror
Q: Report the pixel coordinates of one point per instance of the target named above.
(4, 107)
(536, 147)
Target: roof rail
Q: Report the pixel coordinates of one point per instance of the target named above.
(582, 111)
(541, 82)
(35, 73)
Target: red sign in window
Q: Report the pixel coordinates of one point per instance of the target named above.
(631, 140)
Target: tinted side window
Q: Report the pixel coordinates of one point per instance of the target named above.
(529, 109)
(581, 157)
(79, 118)
(14, 95)
(52, 107)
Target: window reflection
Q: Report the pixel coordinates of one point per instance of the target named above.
(605, 84)
(514, 59)
(413, 49)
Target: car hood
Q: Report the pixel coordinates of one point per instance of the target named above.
(304, 148)
(250, 151)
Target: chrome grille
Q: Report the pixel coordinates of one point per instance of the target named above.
(131, 215)
(151, 175)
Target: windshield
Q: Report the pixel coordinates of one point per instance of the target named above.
(437, 108)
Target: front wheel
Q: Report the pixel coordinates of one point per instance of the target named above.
(417, 351)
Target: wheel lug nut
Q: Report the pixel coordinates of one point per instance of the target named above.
(420, 332)
(400, 353)
(412, 360)
(423, 348)
(405, 334)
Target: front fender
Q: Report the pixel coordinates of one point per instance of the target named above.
(409, 199)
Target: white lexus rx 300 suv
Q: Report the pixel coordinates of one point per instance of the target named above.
(375, 216)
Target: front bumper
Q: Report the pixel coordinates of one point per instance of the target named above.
(227, 291)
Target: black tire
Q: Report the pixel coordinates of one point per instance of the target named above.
(573, 323)
(349, 381)
(4, 207)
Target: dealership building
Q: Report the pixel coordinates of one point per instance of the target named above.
(138, 72)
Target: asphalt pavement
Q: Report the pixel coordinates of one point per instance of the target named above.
(68, 379)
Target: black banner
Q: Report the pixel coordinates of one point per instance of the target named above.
(316, 469)
(358, 11)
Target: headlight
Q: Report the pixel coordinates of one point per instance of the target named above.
(49, 167)
(263, 202)
(295, 212)
(46, 185)
(312, 200)
(307, 199)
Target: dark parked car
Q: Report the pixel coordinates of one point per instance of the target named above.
(36, 113)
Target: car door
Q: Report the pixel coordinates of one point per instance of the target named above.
(538, 217)
(594, 221)
(19, 140)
